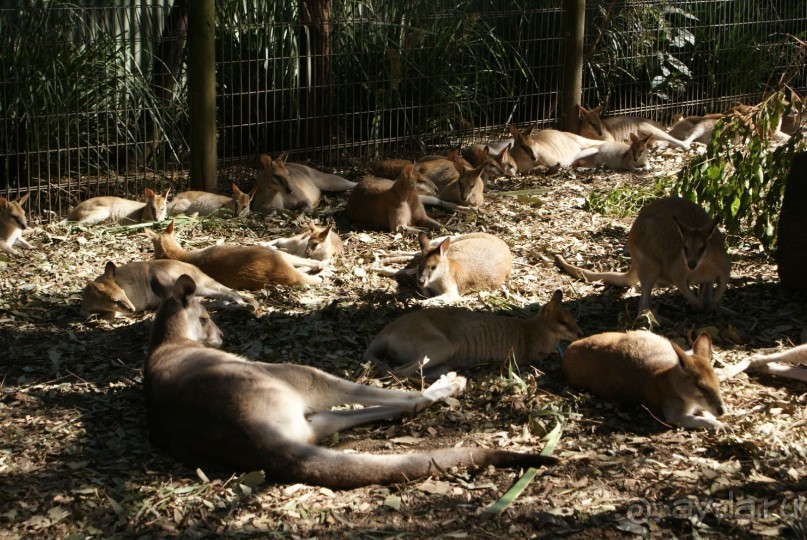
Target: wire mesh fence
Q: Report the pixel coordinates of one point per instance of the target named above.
(93, 100)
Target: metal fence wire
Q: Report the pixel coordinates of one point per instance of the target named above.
(93, 100)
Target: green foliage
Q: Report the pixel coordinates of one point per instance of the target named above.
(741, 177)
(625, 200)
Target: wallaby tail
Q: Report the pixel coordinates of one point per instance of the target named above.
(330, 468)
(618, 279)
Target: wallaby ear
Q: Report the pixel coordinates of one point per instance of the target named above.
(702, 346)
(3, 202)
(235, 189)
(151, 235)
(581, 112)
(184, 289)
(167, 192)
(327, 230)
(482, 153)
(682, 229)
(149, 193)
(24, 198)
(504, 151)
(597, 109)
(109, 270)
(266, 161)
(253, 192)
(407, 169)
(554, 302)
(478, 170)
(170, 228)
(529, 129)
(93, 285)
(444, 245)
(633, 137)
(458, 166)
(423, 240)
(453, 154)
(513, 130)
(282, 157)
(160, 282)
(713, 226)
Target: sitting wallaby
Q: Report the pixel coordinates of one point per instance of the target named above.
(497, 163)
(320, 243)
(672, 242)
(467, 189)
(219, 411)
(117, 210)
(616, 155)
(380, 204)
(293, 186)
(455, 339)
(548, 148)
(619, 128)
(642, 368)
(237, 267)
(125, 290)
(461, 264)
(12, 223)
(204, 203)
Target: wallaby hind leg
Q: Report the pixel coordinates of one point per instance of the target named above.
(294, 260)
(326, 423)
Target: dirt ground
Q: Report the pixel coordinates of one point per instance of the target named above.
(75, 461)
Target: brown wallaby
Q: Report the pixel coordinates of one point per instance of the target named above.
(125, 290)
(619, 128)
(219, 411)
(381, 204)
(237, 267)
(616, 155)
(204, 203)
(293, 186)
(440, 170)
(672, 242)
(548, 148)
(642, 368)
(117, 210)
(320, 243)
(461, 264)
(496, 158)
(12, 223)
(467, 189)
(447, 339)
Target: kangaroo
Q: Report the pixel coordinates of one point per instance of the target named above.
(320, 243)
(382, 204)
(467, 189)
(672, 242)
(204, 203)
(470, 262)
(642, 368)
(12, 223)
(497, 163)
(237, 267)
(616, 155)
(117, 210)
(293, 186)
(216, 410)
(549, 148)
(455, 339)
(619, 128)
(122, 291)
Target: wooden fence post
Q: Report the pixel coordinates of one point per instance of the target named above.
(202, 92)
(574, 14)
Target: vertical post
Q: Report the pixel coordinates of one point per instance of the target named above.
(574, 29)
(202, 92)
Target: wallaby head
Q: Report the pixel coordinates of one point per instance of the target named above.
(275, 173)
(638, 149)
(558, 320)
(590, 121)
(104, 295)
(469, 185)
(180, 317)
(524, 147)
(433, 267)
(501, 163)
(163, 243)
(319, 246)
(695, 241)
(11, 212)
(156, 208)
(240, 201)
(697, 383)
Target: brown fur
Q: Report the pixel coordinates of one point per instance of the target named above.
(642, 368)
(237, 267)
(547, 148)
(455, 339)
(496, 158)
(672, 242)
(381, 204)
(616, 155)
(204, 203)
(117, 210)
(12, 224)
(218, 411)
(619, 128)
(467, 189)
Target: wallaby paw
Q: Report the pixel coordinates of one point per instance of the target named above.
(447, 385)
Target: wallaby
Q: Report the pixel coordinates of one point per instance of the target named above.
(440, 170)
(320, 243)
(293, 186)
(455, 339)
(672, 242)
(204, 203)
(125, 290)
(123, 211)
(461, 264)
(616, 155)
(12, 223)
(219, 411)
(497, 163)
(237, 267)
(467, 189)
(770, 364)
(381, 204)
(695, 129)
(619, 128)
(549, 148)
(642, 368)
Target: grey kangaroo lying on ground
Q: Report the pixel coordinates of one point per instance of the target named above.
(216, 410)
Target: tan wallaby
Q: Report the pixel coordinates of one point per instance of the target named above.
(215, 410)
(293, 186)
(619, 128)
(237, 267)
(699, 129)
(117, 210)
(497, 162)
(672, 242)
(456, 339)
(320, 243)
(380, 204)
(614, 155)
(467, 189)
(440, 170)
(461, 264)
(547, 148)
(124, 290)
(642, 368)
(770, 364)
(12, 223)
(204, 203)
